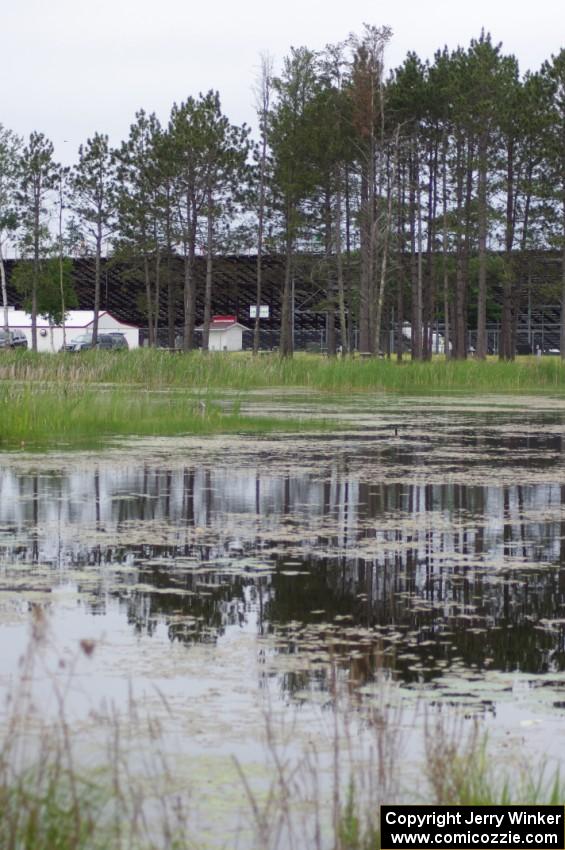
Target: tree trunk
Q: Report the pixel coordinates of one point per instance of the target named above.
(208, 290)
(97, 283)
(517, 288)
(400, 284)
(35, 282)
(386, 239)
(365, 235)
(189, 282)
(339, 267)
(157, 295)
(460, 330)
(562, 340)
(350, 324)
(147, 279)
(416, 253)
(61, 275)
(505, 348)
(4, 290)
(430, 294)
(286, 342)
(467, 235)
(419, 293)
(257, 326)
(413, 259)
(447, 335)
(330, 293)
(260, 235)
(482, 221)
(171, 333)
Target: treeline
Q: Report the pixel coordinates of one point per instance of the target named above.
(415, 189)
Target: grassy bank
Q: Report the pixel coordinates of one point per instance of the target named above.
(241, 371)
(79, 414)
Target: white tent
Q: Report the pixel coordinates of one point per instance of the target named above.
(77, 322)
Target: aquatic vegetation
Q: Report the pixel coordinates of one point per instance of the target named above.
(242, 371)
(62, 413)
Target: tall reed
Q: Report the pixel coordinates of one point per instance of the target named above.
(241, 371)
(67, 412)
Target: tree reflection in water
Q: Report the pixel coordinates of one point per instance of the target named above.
(409, 573)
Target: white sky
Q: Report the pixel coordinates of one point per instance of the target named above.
(72, 67)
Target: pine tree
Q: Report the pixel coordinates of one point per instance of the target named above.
(138, 210)
(293, 177)
(94, 202)
(10, 145)
(555, 74)
(224, 161)
(37, 177)
(263, 95)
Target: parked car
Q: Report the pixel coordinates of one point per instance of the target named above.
(12, 339)
(79, 343)
(106, 342)
(119, 340)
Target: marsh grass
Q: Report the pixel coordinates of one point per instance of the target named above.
(35, 416)
(54, 796)
(460, 770)
(460, 767)
(241, 371)
(59, 791)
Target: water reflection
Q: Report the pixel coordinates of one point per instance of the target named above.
(422, 574)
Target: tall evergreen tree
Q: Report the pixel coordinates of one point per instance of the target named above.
(263, 96)
(37, 177)
(187, 131)
(293, 175)
(140, 232)
(368, 116)
(10, 145)
(555, 74)
(225, 148)
(94, 201)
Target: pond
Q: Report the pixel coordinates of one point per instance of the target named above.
(422, 548)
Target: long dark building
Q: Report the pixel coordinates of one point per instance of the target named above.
(234, 292)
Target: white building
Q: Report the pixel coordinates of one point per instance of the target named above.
(438, 341)
(226, 334)
(78, 322)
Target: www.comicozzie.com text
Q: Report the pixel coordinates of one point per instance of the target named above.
(442, 819)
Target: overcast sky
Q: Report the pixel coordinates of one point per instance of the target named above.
(72, 67)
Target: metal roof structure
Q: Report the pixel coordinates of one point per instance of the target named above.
(234, 286)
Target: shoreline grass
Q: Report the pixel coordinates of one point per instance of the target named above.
(111, 782)
(152, 368)
(38, 417)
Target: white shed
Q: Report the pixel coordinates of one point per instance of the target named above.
(438, 341)
(226, 334)
(77, 322)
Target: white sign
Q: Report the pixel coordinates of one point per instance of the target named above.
(263, 311)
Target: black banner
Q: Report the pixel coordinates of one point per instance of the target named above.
(477, 827)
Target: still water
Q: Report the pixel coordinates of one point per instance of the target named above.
(423, 546)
